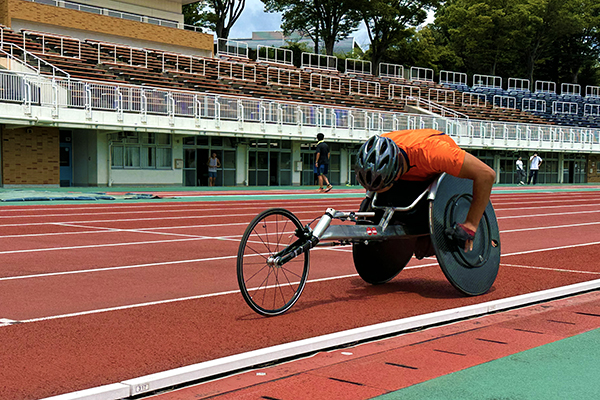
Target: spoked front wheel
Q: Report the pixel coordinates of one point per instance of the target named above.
(267, 288)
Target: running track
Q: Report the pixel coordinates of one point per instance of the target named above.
(95, 294)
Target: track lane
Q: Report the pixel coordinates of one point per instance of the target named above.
(115, 345)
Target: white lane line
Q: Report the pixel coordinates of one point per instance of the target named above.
(551, 269)
(537, 228)
(246, 215)
(213, 368)
(199, 205)
(208, 295)
(185, 210)
(146, 219)
(546, 214)
(200, 237)
(544, 207)
(152, 303)
(79, 224)
(518, 253)
(91, 246)
(101, 229)
(107, 269)
(237, 291)
(134, 266)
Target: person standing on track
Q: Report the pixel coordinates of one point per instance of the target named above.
(534, 167)
(213, 163)
(420, 155)
(520, 172)
(322, 163)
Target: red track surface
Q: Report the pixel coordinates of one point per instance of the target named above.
(103, 290)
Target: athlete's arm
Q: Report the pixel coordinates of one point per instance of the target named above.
(483, 178)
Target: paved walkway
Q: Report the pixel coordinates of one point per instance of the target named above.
(546, 351)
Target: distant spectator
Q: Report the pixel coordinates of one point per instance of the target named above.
(534, 167)
(213, 164)
(322, 163)
(521, 175)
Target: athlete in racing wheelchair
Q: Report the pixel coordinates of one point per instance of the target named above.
(421, 155)
(425, 196)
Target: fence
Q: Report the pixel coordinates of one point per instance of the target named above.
(35, 90)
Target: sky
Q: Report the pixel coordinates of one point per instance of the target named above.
(254, 19)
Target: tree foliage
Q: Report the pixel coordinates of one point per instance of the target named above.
(328, 21)
(390, 22)
(218, 16)
(533, 39)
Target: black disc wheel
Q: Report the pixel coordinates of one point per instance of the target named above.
(271, 289)
(474, 272)
(378, 262)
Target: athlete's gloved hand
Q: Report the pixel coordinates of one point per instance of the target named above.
(462, 236)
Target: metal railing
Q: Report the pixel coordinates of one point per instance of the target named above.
(31, 90)
(60, 41)
(364, 88)
(474, 99)
(442, 96)
(274, 55)
(360, 67)
(283, 77)
(395, 71)
(319, 61)
(29, 60)
(328, 83)
(403, 92)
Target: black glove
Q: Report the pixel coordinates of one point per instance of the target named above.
(459, 234)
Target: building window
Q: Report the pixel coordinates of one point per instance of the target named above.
(141, 150)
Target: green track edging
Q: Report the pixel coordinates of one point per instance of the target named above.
(563, 370)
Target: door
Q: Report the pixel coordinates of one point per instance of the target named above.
(568, 171)
(202, 155)
(66, 169)
(273, 168)
(309, 178)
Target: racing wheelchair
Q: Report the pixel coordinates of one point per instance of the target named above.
(412, 218)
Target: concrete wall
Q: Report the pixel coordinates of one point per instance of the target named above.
(164, 9)
(28, 15)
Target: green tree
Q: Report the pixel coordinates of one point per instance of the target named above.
(533, 39)
(389, 22)
(328, 21)
(425, 48)
(483, 33)
(218, 16)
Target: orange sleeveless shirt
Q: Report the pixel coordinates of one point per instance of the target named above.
(430, 153)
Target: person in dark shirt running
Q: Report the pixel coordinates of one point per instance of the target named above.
(322, 163)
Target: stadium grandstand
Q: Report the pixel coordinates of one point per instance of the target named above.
(124, 93)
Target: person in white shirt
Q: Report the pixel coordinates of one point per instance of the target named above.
(521, 176)
(534, 167)
(213, 164)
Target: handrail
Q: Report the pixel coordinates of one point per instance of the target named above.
(445, 110)
(39, 60)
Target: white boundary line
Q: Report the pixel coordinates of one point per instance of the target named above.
(177, 376)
